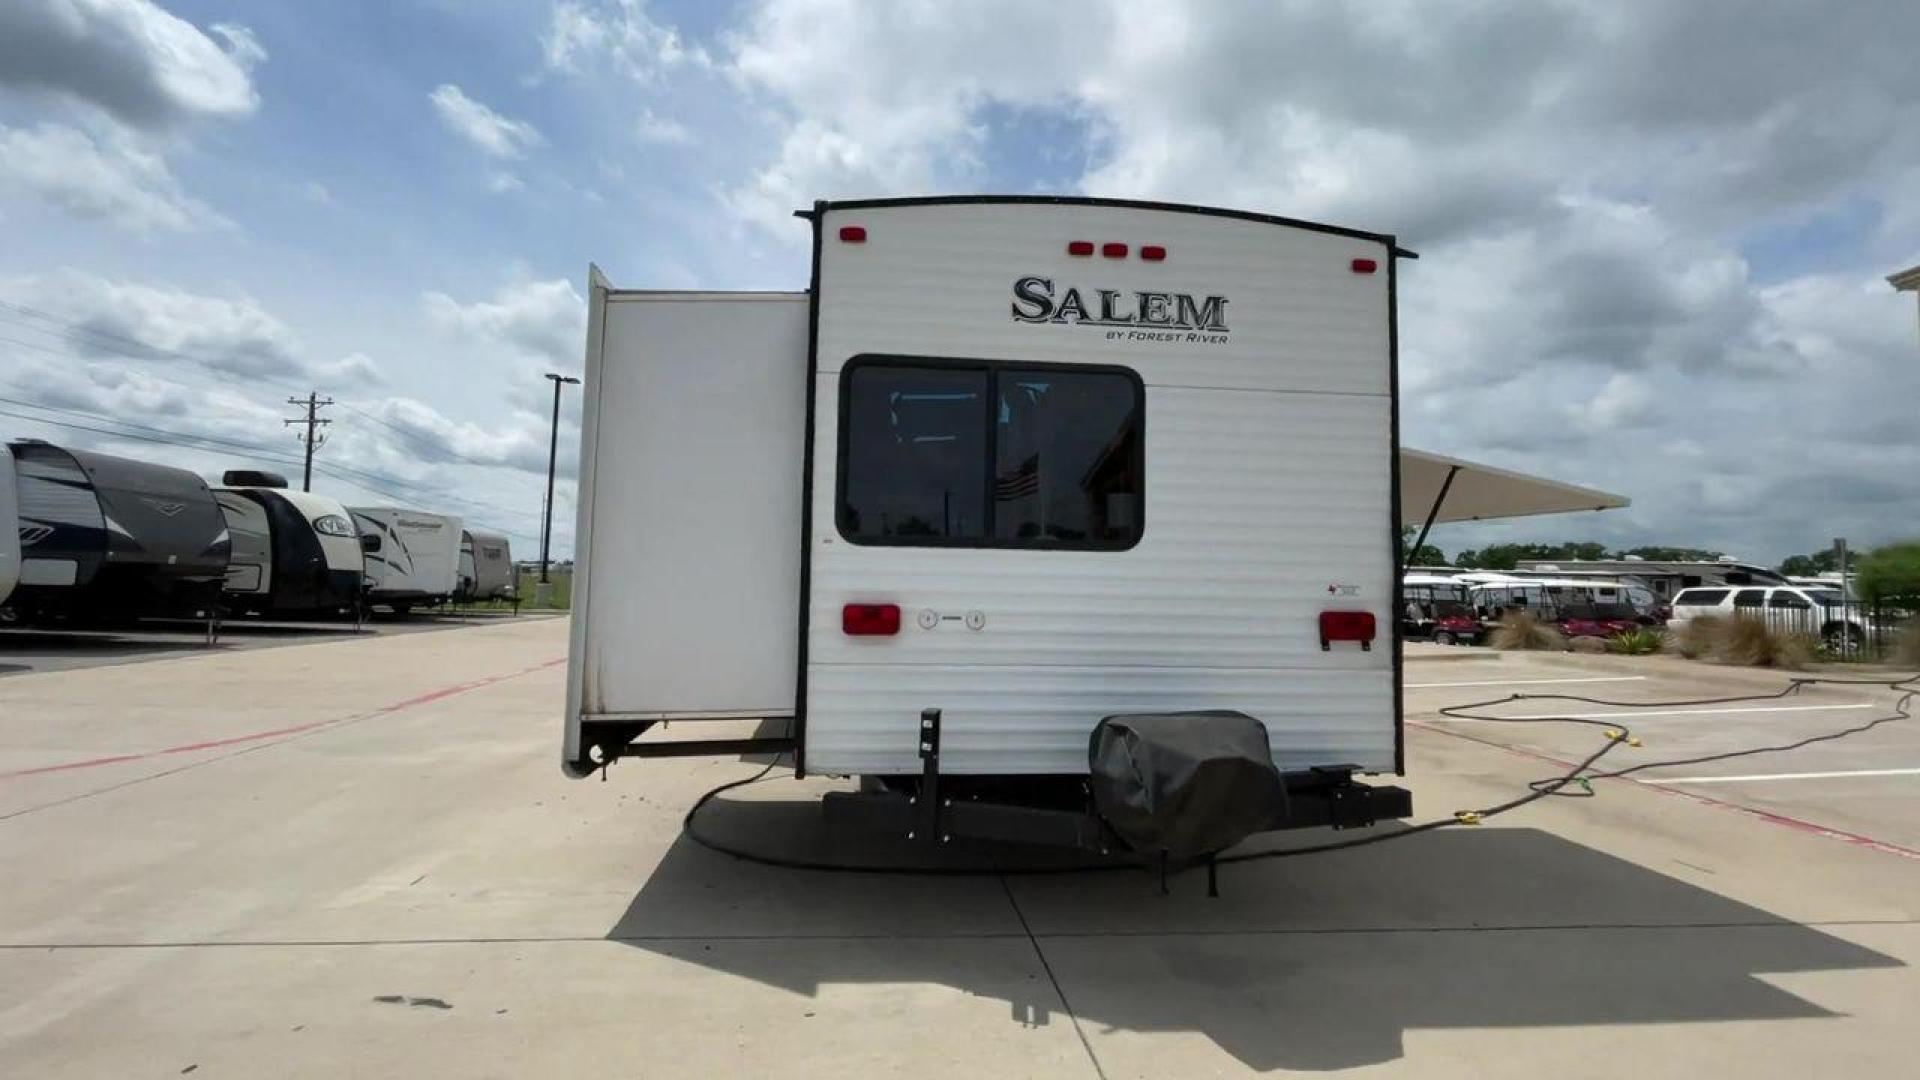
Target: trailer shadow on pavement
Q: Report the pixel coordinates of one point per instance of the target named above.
(1320, 963)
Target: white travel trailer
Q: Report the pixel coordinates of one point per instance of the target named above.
(1019, 493)
(486, 566)
(416, 562)
(1009, 468)
(9, 526)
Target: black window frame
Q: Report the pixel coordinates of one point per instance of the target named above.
(992, 369)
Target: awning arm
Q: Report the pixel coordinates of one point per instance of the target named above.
(1421, 541)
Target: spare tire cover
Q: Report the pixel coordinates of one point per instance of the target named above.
(1185, 784)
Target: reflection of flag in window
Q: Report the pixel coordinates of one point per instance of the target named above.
(1021, 482)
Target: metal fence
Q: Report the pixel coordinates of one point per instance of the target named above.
(1852, 630)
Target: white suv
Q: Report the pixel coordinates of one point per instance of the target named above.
(1796, 608)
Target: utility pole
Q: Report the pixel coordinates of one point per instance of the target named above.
(313, 438)
(543, 592)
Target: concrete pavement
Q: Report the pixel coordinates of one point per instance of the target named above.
(361, 858)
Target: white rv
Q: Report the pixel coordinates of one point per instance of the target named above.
(1010, 470)
(416, 561)
(486, 566)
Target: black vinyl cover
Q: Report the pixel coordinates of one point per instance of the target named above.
(1185, 784)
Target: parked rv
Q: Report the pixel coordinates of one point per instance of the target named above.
(486, 566)
(295, 554)
(415, 562)
(1022, 492)
(110, 537)
(9, 526)
(1664, 579)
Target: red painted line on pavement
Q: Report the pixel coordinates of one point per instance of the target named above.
(1767, 816)
(214, 744)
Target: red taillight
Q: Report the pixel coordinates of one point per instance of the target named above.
(870, 620)
(1346, 626)
(853, 234)
(1365, 266)
(1114, 251)
(1153, 253)
(1081, 248)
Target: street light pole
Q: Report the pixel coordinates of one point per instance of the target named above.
(545, 590)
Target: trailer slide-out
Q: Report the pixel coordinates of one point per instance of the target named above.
(1056, 505)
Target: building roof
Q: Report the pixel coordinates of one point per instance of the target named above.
(1908, 279)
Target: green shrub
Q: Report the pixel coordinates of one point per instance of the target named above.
(1519, 630)
(1641, 642)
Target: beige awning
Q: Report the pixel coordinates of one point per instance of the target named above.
(1479, 492)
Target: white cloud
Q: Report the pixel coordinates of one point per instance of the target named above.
(661, 129)
(242, 46)
(619, 32)
(1625, 401)
(544, 320)
(145, 67)
(496, 135)
(348, 372)
(99, 318)
(109, 178)
(502, 182)
(317, 192)
(1581, 179)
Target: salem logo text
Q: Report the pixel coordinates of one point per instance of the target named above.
(1136, 316)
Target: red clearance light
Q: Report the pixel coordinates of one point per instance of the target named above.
(870, 620)
(1365, 266)
(853, 234)
(1081, 248)
(1347, 626)
(1114, 251)
(1153, 253)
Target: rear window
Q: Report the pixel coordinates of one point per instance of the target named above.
(1700, 598)
(986, 454)
(1749, 597)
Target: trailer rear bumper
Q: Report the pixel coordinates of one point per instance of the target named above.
(1058, 811)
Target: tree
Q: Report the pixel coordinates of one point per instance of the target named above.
(1428, 555)
(1507, 556)
(1891, 572)
(1819, 562)
(1672, 554)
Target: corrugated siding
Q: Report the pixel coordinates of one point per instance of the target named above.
(1267, 501)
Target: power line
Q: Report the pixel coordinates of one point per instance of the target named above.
(201, 368)
(374, 482)
(129, 348)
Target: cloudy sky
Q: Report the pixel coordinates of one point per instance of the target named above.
(1654, 236)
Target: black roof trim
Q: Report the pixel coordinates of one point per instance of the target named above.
(825, 205)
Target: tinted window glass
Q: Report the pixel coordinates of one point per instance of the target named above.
(986, 454)
(1065, 463)
(1700, 598)
(1787, 600)
(1748, 597)
(916, 454)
